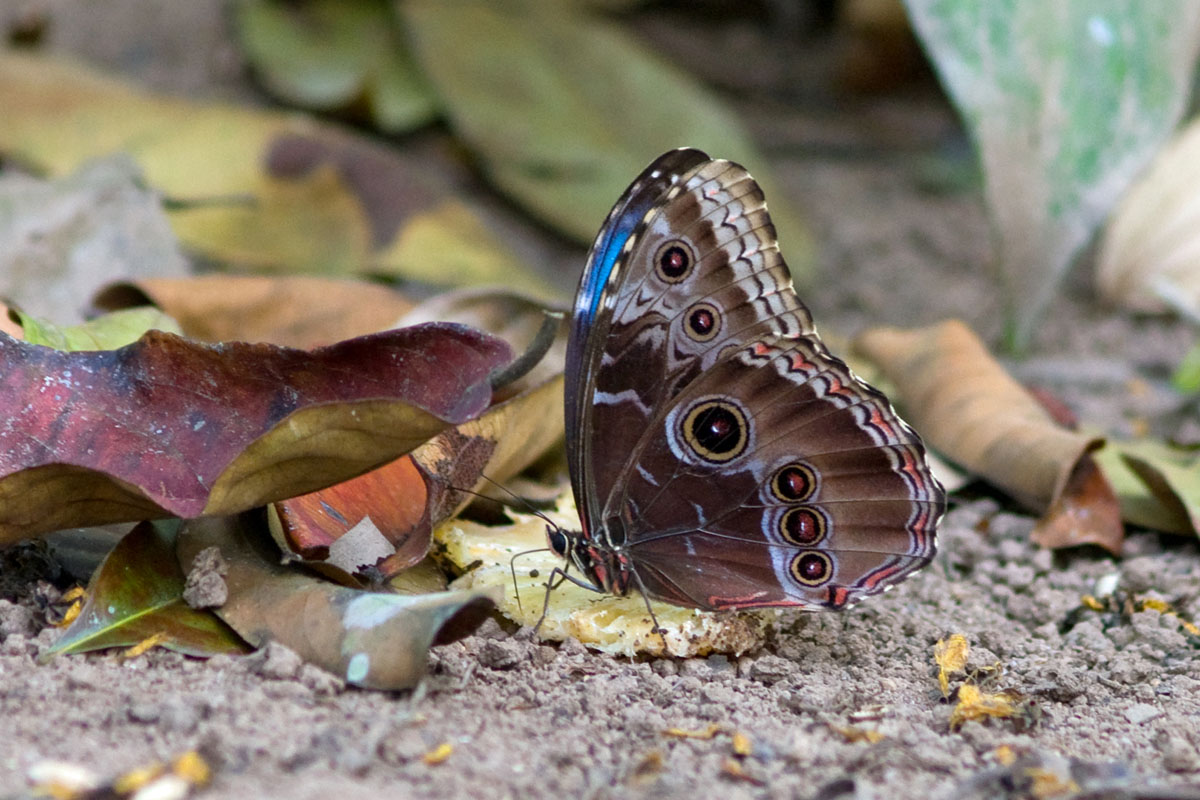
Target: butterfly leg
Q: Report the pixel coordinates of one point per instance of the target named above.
(662, 634)
(556, 579)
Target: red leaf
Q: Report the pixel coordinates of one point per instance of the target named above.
(166, 426)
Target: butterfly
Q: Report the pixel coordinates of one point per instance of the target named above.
(720, 457)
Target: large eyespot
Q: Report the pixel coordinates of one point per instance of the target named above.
(803, 526)
(715, 430)
(702, 322)
(812, 568)
(674, 261)
(794, 483)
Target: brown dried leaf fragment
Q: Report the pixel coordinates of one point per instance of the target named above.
(972, 411)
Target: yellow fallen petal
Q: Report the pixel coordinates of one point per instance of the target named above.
(1091, 602)
(136, 778)
(76, 596)
(192, 767)
(853, 734)
(974, 704)
(1048, 783)
(742, 746)
(438, 754)
(145, 644)
(1005, 755)
(950, 655)
(704, 733)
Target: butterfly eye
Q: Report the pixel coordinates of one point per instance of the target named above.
(803, 526)
(812, 568)
(716, 430)
(794, 483)
(673, 261)
(703, 322)
(558, 541)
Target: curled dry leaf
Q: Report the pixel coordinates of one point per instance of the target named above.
(1149, 258)
(973, 412)
(170, 427)
(371, 639)
(405, 499)
(611, 624)
(292, 310)
(137, 593)
(975, 704)
(408, 497)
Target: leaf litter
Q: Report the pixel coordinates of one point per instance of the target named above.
(826, 659)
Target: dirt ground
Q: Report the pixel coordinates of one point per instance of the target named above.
(1111, 699)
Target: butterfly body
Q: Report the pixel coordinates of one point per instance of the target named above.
(720, 457)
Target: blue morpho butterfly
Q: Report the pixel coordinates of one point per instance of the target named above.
(720, 457)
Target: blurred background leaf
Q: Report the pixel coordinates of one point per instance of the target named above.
(563, 109)
(1066, 103)
(336, 54)
(257, 190)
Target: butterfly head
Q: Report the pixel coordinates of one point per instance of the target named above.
(606, 569)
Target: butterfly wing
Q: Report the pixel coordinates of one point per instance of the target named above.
(735, 459)
(592, 317)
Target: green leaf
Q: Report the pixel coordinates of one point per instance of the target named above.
(564, 110)
(138, 593)
(1066, 103)
(372, 639)
(107, 332)
(1157, 485)
(328, 54)
(1187, 375)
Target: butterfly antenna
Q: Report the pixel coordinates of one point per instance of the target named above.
(512, 561)
(514, 496)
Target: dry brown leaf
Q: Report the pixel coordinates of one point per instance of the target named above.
(377, 640)
(296, 311)
(972, 411)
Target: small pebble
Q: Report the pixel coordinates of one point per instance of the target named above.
(1142, 712)
(501, 653)
(278, 662)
